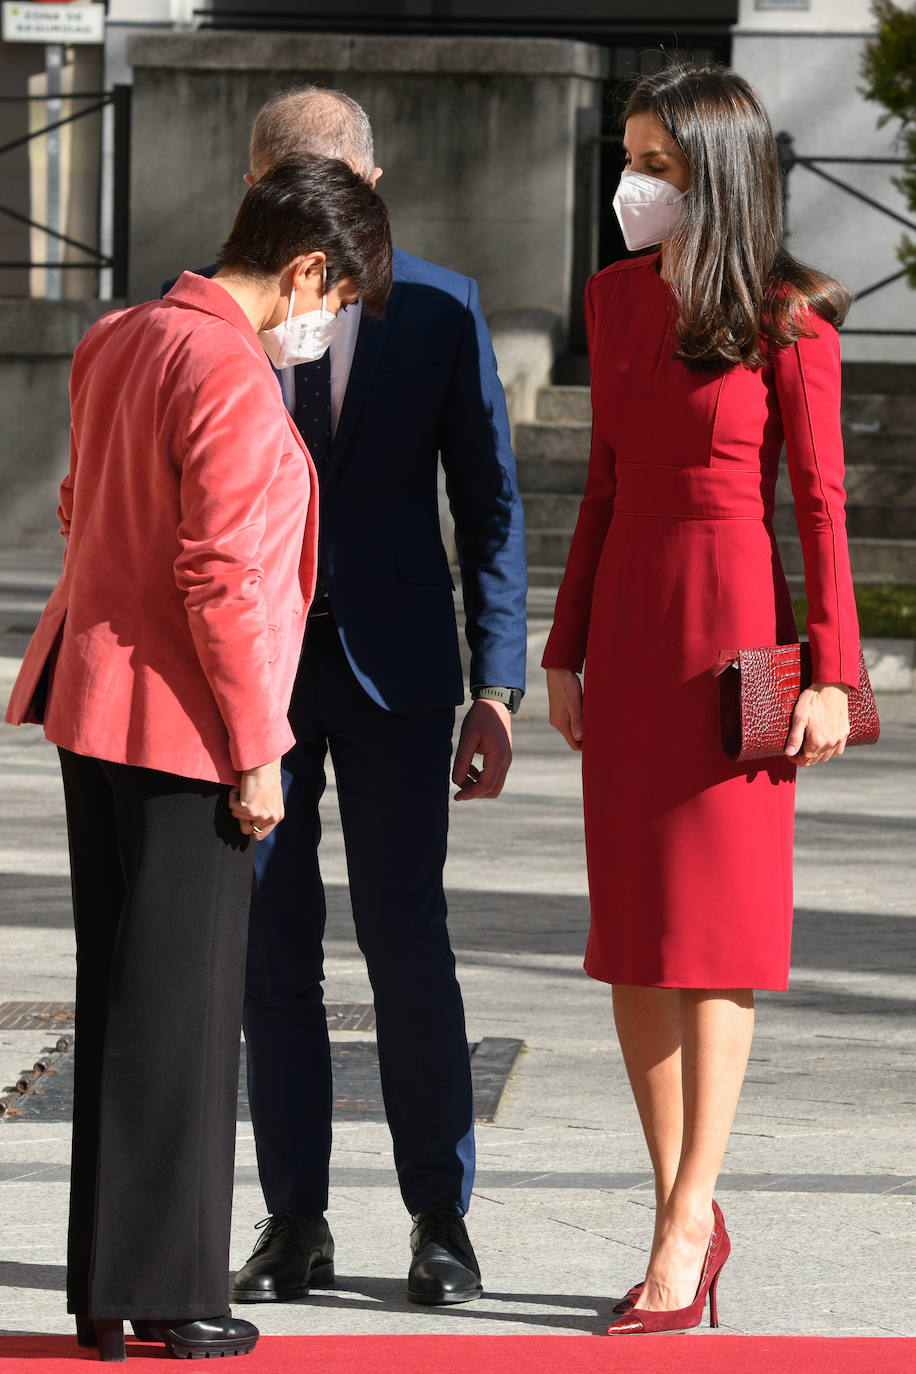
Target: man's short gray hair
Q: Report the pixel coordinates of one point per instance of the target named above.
(312, 119)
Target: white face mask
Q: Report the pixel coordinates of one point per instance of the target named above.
(302, 339)
(649, 210)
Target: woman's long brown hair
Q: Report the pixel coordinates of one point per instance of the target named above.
(739, 291)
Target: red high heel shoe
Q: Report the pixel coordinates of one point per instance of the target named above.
(629, 1300)
(637, 1321)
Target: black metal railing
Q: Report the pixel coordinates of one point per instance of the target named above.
(789, 159)
(95, 259)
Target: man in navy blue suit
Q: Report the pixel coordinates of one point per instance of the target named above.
(378, 684)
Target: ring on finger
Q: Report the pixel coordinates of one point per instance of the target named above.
(256, 829)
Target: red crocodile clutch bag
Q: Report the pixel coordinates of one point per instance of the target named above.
(758, 689)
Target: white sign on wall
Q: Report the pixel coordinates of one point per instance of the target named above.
(25, 22)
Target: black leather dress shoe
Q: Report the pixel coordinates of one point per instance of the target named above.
(444, 1267)
(295, 1253)
(206, 1338)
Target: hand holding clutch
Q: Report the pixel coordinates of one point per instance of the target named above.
(764, 694)
(820, 724)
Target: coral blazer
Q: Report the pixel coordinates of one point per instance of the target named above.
(173, 636)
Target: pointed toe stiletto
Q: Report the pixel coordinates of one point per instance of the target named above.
(105, 1333)
(637, 1321)
(629, 1299)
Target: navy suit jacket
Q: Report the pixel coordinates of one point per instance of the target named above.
(424, 383)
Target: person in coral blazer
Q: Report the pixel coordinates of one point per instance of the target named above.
(706, 357)
(162, 669)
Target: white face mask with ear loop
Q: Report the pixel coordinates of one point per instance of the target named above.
(302, 338)
(647, 208)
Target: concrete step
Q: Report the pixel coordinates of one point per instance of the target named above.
(864, 412)
(548, 548)
(873, 560)
(879, 431)
(556, 513)
(552, 439)
(871, 412)
(565, 403)
(552, 474)
(862, 522)
(544, 577)
(881, 503)
(869, 484)
(879, 446)
(884, 379)
(562, 435)
(551, 511)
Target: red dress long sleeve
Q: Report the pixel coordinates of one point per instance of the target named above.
(674, 558)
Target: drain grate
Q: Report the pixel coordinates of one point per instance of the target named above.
(342, 1016)
(36, 1015)
(357, 1086)
(350, 1016)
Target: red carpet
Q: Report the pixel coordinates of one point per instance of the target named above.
(712, 1354)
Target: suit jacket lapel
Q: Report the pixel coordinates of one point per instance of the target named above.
(370, 343)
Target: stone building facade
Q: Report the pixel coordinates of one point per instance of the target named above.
(496, 126)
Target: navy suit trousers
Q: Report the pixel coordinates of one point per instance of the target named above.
(392, 775)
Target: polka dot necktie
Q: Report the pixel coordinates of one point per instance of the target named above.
(313, 409)
(312, 416)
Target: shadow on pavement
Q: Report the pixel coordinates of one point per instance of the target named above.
(361, 1293)
(51, 1277)
(520, 924)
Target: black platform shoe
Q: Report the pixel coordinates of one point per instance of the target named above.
(205, 1338)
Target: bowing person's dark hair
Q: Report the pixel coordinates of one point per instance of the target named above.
(306, 204)
(738, 290)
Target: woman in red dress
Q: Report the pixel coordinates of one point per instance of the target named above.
(706, 357)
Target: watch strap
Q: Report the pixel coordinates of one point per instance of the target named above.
(510, 697)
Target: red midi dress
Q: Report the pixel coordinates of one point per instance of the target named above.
(674, 559)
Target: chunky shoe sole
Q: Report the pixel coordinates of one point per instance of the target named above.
(320, 1276)
(192, 1350)
(443, 1299)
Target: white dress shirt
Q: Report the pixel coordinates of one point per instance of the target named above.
(343, 346)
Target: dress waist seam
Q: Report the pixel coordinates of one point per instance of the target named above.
(679, 515)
